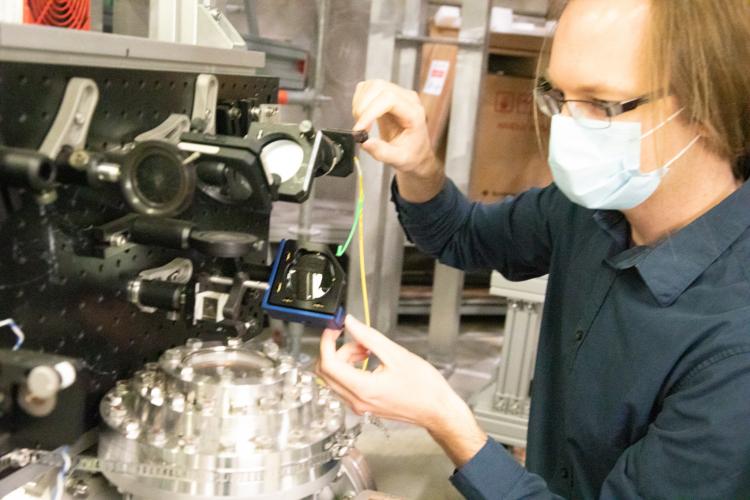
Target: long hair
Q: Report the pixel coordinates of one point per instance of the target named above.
(698, 51)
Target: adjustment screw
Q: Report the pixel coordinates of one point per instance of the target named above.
(79, 159)
(306, 129)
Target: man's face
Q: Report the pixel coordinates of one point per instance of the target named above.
(598, 54)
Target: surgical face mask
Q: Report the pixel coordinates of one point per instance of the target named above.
(600, 167)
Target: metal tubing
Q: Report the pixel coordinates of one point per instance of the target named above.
(463, 43)
(445, 316)
(304, 225)
(251, 14)
(385, 16)
(470, 70)
(249, 284)
(407, 75)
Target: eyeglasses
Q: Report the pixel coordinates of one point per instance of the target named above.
(595, 113)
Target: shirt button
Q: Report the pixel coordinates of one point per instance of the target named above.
(564, 473)
(579, 335)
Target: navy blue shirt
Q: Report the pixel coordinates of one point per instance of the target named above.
(642, 381)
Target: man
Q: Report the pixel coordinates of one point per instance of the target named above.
(642, 383)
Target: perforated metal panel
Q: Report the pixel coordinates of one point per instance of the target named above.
(75, 305)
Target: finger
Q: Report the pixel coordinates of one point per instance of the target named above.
(352, 352)
(376, 103)
(328, 344)
(370, 92)
(380, 345)
(364, 95)
(338, 369)
(404, 111)
(384, 152)
(349, 397)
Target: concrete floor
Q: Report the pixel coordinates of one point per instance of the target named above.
(405, 462)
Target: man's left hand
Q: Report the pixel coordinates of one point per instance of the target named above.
(404, 387)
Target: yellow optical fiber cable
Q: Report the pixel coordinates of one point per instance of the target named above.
(361, 240)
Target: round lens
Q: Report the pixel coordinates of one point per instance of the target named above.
(543, 102)
(241, 364)
(157, 179)
(282, 158)
(589, 114)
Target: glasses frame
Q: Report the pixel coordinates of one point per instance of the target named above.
(545, 91)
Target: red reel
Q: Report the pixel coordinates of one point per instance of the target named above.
(75, 14)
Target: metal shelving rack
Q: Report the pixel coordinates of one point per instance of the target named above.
(397, 33)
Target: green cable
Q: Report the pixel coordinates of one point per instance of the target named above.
(341, 250)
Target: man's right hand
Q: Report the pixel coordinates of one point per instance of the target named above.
(404, 141)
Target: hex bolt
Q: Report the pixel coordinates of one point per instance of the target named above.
(132, 429)
(306, 395)
(177, 402)
(187, 373)
(156, 396)
(122, 387)
(194, 343)
(113, 399)
(172, 356)
(158, 438)
(270, 349)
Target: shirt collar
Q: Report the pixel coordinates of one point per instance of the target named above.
(669, 267)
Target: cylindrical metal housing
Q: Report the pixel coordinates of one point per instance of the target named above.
(219, 420)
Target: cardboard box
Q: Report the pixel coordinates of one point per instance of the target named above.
(507, 155)
(436, 83)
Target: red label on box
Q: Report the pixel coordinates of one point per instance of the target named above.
(525, 102)
(505, 102)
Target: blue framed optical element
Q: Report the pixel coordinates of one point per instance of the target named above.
(307, 285)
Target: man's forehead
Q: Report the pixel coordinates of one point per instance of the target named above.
(598, 46)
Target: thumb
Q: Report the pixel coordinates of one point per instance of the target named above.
(377, 343)
(328, 344)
